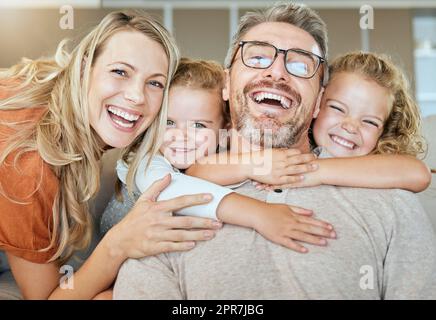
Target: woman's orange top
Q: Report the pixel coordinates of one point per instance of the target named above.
(25, 227)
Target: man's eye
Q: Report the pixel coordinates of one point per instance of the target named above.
(259, 61)
(199, 125)
(120, 72)
(336, 108)
(371, 123)
(157, 84)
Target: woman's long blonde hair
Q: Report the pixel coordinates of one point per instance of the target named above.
(63, 136)
(402, 130)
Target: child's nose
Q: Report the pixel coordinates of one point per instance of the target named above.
(175, 134)
(350, 125)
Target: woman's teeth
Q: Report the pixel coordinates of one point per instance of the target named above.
(124, 124)
(343, 142)
(123, 114)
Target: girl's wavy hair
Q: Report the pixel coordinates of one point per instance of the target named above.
(63, 137)
(204, 75)
(402, 130)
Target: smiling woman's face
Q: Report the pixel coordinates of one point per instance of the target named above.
(126, 87)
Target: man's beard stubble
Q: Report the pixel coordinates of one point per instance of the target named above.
(267, 131)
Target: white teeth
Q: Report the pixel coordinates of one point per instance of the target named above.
(343, 142)
(285, 102)
(122, 124)
(123, 114)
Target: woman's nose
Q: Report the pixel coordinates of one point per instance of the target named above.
(135, 94)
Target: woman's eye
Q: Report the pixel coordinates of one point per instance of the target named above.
(170, 123)
(119, 72)
(372, 123)
(199, 125)
(157, 84)
(336, 108)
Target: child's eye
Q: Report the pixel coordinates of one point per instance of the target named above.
(170, 123)
(336, 108)
(120, 72)
(198, 125)
(157, 84)
(375, 124)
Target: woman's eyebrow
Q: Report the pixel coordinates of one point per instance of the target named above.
(124, 63)
(157, 74)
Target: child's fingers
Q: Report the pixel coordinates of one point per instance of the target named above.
(290, 180)
(315, 222)
(316, 230)
(302, 211)
(292, 152)
(291, 244)
(293, 169)
(308, 238)
(301, 158)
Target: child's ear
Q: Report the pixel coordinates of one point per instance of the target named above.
(226, 88)
(318, 103)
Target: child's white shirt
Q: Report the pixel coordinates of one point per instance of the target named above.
(180, 185)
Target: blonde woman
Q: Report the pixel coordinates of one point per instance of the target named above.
(57, 117)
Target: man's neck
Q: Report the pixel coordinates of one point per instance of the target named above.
(239, 144)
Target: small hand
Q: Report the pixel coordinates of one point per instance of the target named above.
(285, 225)
(281, 166)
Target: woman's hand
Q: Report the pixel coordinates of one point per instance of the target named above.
(284, 225)
(280, 166)
(150, 228)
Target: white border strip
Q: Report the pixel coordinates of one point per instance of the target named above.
(318, 4)
(217, 4)
(34, 4)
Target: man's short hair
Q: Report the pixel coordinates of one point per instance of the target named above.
(295, 14)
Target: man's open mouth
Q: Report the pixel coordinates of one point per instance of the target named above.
(272, 99)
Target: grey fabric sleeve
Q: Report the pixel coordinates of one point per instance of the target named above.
(147, 278)
(410, 263)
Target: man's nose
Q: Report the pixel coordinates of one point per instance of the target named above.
(277, 71)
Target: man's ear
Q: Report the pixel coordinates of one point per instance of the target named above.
(226, 88)
(318, 102)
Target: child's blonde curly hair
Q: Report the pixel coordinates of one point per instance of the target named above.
(402, 129)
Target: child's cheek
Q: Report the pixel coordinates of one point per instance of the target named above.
(206, 141)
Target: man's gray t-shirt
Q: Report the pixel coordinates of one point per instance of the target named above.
(386, 249)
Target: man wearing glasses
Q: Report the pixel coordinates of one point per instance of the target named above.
(386, 248)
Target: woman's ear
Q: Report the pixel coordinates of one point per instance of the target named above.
(226, 88)
(318, 103)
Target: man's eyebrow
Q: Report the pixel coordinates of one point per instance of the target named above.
(134, 69)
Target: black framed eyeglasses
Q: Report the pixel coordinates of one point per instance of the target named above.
(298, 62)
